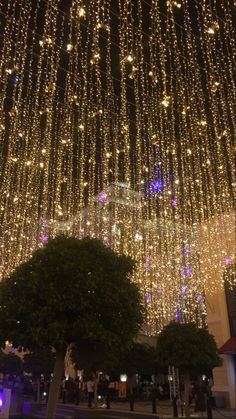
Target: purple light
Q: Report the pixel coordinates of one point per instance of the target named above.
(1, 404)
(43, 238)
(178, 315)
(102, 197)
(148, 298)
(159, 291)
(187, 271)
(147, 268)
(148, 259)
(227, 261)
(174, 202)
(186, 251)
(157, 186)
(184, 290)
(199, 298)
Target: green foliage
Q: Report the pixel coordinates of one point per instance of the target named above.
(132, 358)
(139, 358)
(187, 347)
(10, 363)
(70, 291)
(41, 362)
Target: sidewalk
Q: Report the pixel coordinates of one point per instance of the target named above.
(164, 410)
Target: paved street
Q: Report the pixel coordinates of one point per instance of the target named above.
(142, 410)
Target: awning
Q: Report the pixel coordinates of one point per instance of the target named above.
(229, 347)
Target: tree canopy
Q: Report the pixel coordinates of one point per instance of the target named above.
(187, 347)
(69, 291)
(40, 362)
(10, 363)
(190, 349)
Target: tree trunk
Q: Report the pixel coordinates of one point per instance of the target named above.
(55, 384)
(96, 391)
(186, 394)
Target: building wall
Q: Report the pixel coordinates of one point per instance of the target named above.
(218, 237)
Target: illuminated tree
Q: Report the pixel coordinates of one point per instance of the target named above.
(70, 291)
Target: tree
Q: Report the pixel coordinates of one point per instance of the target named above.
(37, 363)
(139, 358)
(190, 349)
(132, 358)
(10, 363)
(70, 291)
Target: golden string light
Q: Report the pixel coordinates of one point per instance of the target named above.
(117, 121)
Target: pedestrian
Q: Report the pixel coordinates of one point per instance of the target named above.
(90, 390)
(77, 390)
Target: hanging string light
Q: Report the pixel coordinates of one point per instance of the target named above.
(117, 121)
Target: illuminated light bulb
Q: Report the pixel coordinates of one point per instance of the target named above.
(150, 73)
(154, 139)
(41, 42)
(85, 183)
(166, 101)
(100, 111)
(41, 164)
(227, 261)
(9, 71)
(108, 155)
(81, 127)
(129, 58)
(211, 31)
(28, 163)
(49, 41)
(177, 4)
(95, 58)
(43, 151)
(138, 236)
(202, 123)
(69, 47)
(102, 197)
(82, 12)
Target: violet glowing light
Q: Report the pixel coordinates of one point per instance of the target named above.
(148, 298)
(187, 271)
(174, 202)
(157, 186)
(227, 261)
(186, 251)
(102, 197)
(43, 238)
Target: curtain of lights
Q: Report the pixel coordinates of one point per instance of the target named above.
(117, 121)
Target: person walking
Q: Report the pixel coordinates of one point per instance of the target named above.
(90, 390)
